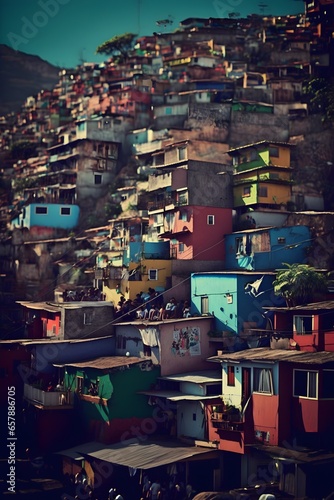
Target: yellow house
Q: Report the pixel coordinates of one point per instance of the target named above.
(262, 175)
(137, 278)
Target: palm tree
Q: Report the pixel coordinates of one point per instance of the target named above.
(300, 284)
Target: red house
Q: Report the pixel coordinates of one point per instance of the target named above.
(275, 401)
(309, 327)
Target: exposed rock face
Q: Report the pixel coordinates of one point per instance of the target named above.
(22, 75)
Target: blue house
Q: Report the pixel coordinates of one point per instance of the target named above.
(235, 298)
(138, 250)
(51, 215)
(266, 248)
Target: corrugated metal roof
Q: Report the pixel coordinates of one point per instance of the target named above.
(106, 362)
(300, 456)
(146, 322)
(200, 377)
(265, 354)
(48, 340)
(40, 306)
(177, 395)
(314, 306)
(139, 454)
(58, 306)
(260, 143)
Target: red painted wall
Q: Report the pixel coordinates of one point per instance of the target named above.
(208, 240)
(51, 325)
(54, 429)
(265, 416)
(11, 357)
(305, 415)
(120, 429)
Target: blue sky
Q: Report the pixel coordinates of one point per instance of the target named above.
(65, 32)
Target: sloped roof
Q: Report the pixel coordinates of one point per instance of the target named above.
(139, 454)
(266, 354)
(106, 362)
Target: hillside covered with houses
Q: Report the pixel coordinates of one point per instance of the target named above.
(166, 260)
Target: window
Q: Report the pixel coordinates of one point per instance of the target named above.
(274, 151)
(230, 375)
(65, 211)
(153, 274)
(263, 191)
(98, 179)
(246, 191)
(182, 153)
(204, 305)
(181, 247)
(253, 155)
(263, 380)
(328, 384)
(211, 220)
(88, 317)
(80, 385)
(41, 210)
(303, 325)
(305, 384)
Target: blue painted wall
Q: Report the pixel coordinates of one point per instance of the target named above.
(138, 250)
(232, 300)
(70, 352)
(287, 244)
(53, 218)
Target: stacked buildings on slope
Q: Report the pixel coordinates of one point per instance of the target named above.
(189, 144)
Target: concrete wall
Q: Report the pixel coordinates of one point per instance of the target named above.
(90, 321)
(247, 128)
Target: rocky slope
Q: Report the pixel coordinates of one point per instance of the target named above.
(22, 75)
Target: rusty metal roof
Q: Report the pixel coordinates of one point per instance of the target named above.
(200, 377)
(265, 354)
(177, 395)
(140, 454)
(106, 362)
(314, 306)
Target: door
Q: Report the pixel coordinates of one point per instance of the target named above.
(246, 385)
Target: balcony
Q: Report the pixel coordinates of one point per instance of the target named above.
(48, 400)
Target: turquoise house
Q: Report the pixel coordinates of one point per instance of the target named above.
(50, 215)
(235, 298)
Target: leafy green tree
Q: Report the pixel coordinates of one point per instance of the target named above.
(300, 284)
(119, 45)
(319, 93)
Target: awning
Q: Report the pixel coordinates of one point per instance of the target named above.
(177, 396)
(140, 455)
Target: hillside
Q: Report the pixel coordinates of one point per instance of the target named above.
(22, 75)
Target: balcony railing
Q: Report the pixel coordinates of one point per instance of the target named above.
(52, 398)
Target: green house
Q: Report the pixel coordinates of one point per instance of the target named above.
(105, 389)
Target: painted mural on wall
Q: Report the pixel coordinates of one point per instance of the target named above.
(186, 342)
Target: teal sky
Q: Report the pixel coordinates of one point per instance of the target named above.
(65, 32)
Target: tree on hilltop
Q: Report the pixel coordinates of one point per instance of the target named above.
(300, 284)
(119, 45)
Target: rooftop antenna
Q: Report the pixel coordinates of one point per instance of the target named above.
(262, 7)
